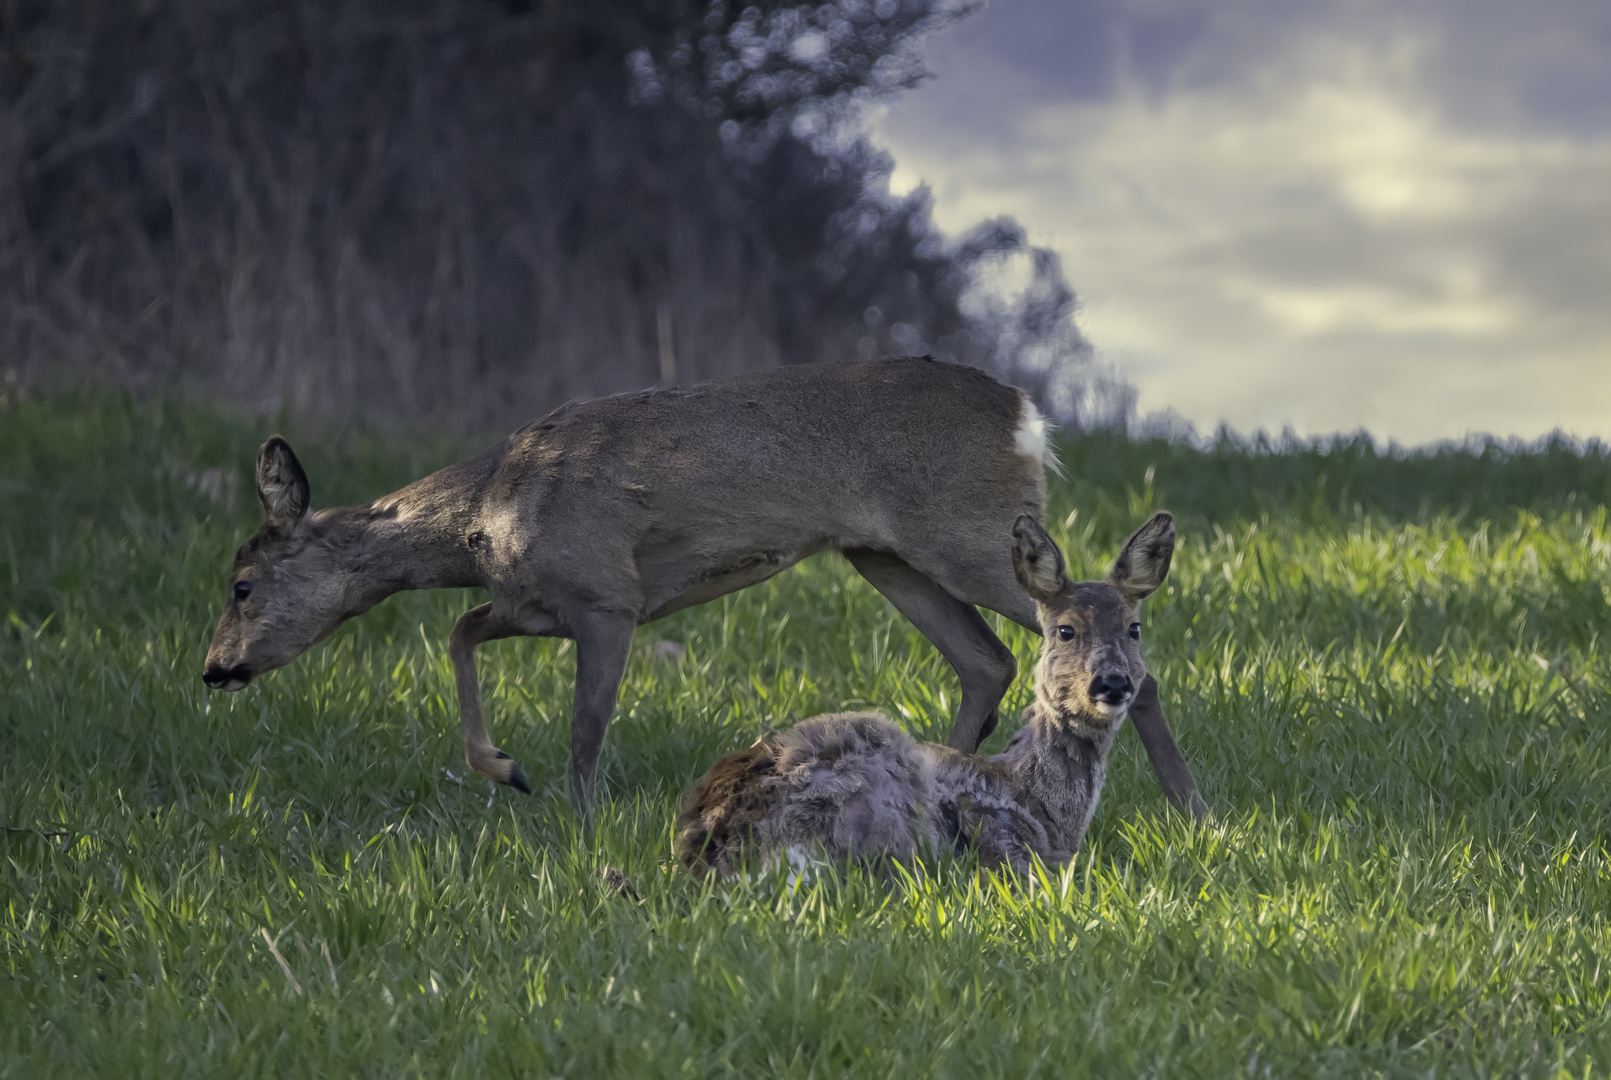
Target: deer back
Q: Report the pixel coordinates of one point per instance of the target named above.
(677, 496)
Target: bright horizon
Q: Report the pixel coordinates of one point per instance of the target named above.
(1394, 218)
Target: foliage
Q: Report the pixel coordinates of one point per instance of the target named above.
(463, 212)
(1385, 669)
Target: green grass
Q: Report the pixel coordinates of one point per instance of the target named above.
(1387, 671)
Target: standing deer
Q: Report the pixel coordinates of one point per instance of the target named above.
(854, 784)
(610, 513)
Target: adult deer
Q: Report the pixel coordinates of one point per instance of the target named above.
(854, 784)
(610, 513)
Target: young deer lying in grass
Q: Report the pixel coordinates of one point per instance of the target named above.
(854, 784)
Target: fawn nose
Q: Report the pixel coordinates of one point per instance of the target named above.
(1113, 689)
(220, 677)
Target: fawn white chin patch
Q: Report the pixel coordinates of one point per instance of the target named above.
(1030, 438)
(1111, 712)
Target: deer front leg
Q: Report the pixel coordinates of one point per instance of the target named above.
(603, 640)
(1174, 775)
(476, 626)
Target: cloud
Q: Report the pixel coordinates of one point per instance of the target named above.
(1307, 221)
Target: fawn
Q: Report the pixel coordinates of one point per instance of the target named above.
(854, 784)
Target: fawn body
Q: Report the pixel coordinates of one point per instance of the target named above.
(854, 784)
(610, 513)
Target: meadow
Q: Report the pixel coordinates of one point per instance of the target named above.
(1388, 671)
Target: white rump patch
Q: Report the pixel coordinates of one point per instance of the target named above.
(1030, 439)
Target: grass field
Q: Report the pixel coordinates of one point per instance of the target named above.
(1389, 674)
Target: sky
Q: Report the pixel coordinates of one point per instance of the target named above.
(1321, 216)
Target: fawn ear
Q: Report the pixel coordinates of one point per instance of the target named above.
(1144, 562)
(1036, 560)
(282, 486)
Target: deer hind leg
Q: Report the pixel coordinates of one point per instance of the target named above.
(476, 626)
(1174, 775)
(983, 664)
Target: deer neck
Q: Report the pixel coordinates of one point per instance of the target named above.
(1058, 762)
(416, 538)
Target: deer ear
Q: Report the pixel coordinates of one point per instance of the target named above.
(282, 486)
(1144, 562)
(1036, 560)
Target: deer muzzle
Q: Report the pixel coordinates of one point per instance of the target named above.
(220, 677)
(1111, 694)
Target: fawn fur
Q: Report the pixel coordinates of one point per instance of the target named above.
(855, 785)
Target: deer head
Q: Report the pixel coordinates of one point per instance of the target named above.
(1091, 662)
(288, 589)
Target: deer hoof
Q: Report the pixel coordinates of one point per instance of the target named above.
(500, 768)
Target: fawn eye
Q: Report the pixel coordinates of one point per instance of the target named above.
(243, 589)
(1066, 633)
(1135, 630)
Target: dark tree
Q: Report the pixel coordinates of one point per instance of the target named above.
(465, 211)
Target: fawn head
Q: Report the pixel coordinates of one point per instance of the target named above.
(287, 590)
(1091, 663)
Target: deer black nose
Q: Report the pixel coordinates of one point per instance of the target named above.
(1113, 689)
(218, 676)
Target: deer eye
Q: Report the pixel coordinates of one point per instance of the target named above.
(1135, 631)
(1066, 633)
(243, 589)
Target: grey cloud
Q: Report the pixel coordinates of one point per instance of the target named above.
(1328, 214)
(1545, 63)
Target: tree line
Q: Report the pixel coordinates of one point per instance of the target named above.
(465, 211)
